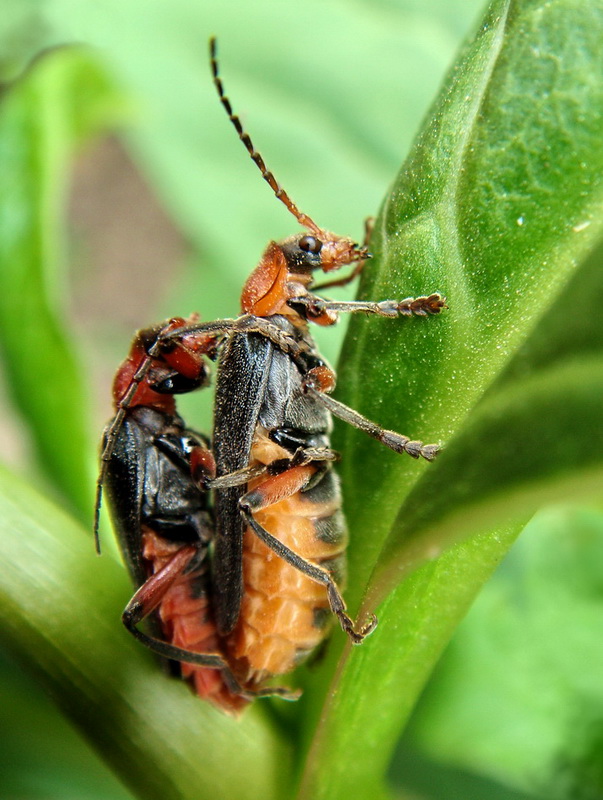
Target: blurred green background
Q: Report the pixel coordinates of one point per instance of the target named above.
(145, 206)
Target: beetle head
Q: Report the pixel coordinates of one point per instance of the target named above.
(321, 249)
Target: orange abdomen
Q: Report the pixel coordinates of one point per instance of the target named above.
(187, 622)
(284, 613)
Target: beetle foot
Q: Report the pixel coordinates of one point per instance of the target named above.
(422, 306)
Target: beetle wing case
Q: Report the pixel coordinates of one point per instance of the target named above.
(263, 415)
(146, 486)
(240, 390)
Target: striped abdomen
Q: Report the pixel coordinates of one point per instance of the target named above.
(284, 613)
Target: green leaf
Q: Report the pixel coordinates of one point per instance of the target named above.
(60, 607)
(443, 230)
(501, 199)
(24, 32)
(563, 759)
(42, 121)
(518, 695)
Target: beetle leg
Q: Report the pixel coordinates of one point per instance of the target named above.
(146, 600)
(236, 478)
(419, 306)
(261, 691)
(271, 491)
(203, 471)
(301, 457)
(307, 455)
(247, 323)
(395, 441)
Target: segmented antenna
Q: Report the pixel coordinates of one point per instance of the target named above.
(279, 192)
(113, 430)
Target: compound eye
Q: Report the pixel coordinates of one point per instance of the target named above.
(310, 244)
(188, 444)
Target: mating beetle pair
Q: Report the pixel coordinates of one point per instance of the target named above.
(274, 534)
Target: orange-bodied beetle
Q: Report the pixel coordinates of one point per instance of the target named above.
(162, 517)
(278, 564)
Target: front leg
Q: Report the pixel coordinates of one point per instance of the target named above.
(202, 332)
(316, 307)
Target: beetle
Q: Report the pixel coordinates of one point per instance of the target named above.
(151, 467)
(279, 553)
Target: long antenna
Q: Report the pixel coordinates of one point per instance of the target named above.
(280, 193)
(112, 431)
